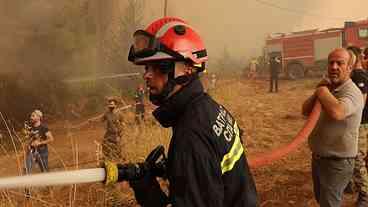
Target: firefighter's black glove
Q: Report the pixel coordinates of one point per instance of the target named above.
(147, 190)
(156, 162)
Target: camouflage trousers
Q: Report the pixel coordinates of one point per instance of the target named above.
(360, 170)
(113, 196)
(111, 150)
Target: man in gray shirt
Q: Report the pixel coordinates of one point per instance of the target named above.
(334, 141)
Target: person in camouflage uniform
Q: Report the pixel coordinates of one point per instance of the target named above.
(111, 143)
(111, 147)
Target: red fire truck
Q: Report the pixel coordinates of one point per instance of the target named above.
(307, 51)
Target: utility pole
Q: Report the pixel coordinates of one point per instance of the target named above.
(165, 7)
(98, 19)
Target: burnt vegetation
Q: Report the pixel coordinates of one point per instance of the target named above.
(45, 43)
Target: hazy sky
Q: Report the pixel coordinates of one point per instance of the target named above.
(239, 25)
(242, 25)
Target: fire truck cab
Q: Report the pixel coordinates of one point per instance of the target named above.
(307, 51)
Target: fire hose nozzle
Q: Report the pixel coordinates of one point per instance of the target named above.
(112, 173)
(123, 172)
(155, 163)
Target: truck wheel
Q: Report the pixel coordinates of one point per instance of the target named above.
(295, 71)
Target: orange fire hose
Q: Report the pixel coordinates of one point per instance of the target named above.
(265, 159)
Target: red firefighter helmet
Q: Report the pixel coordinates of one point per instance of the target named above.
(168, 38)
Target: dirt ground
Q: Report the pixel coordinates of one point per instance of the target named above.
(270, 120)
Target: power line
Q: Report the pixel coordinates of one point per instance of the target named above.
(299, 12)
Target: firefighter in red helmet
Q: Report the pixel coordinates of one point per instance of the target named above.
(206, 164)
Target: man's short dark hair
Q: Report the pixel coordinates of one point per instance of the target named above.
(356, 50)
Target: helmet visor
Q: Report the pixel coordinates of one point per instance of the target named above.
(145, 45)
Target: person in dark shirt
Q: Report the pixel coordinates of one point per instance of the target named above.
(360, 77)
(139, 104)
(206, 164)
(40, 136)
(275, 65)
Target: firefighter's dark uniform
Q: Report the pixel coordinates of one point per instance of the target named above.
(206, 166)
(274, 74)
